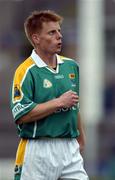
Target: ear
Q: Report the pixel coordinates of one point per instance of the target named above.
(35, 38)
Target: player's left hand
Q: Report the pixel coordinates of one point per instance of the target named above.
(81, 140)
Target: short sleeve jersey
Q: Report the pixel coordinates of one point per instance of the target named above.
(34, 83)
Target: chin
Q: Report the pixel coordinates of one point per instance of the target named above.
(58, 51)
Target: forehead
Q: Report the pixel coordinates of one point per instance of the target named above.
(50, 26)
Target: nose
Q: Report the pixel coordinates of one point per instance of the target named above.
(59, 35)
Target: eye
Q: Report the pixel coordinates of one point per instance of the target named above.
(51, 32)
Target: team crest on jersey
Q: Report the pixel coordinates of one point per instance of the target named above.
(72, 76)
(17, 92)
(47, 83)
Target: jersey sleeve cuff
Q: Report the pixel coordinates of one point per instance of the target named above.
(26, 110)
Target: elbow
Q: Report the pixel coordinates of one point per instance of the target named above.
(19, 121)
(27, 118)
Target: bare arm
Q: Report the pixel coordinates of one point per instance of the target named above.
(82, 138)
(68, 99)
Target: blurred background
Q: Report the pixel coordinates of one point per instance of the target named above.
(89, 37)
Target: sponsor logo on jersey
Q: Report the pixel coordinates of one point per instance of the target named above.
(47, 83)
(17, 92)
(66, 109)
(18, 108)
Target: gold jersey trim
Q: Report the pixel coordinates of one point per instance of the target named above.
(19, 77)
(21, 152)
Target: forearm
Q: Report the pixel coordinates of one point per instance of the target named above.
(68, 99)
(40, 111)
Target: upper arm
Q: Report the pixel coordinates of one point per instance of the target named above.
(22, 94)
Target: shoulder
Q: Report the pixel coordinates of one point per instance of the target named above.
(69, 61)
(25, 66)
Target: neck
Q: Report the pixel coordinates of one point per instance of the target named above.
(49, 59)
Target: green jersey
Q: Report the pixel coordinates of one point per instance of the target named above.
(34, 83)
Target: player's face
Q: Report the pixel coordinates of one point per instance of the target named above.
(50, 38)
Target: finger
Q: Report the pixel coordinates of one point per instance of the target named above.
(74, 92)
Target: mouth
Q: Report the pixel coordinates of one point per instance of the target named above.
(59, 44)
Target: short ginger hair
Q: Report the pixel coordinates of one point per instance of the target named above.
(34, 22)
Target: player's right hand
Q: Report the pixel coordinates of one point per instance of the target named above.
(68, 99)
